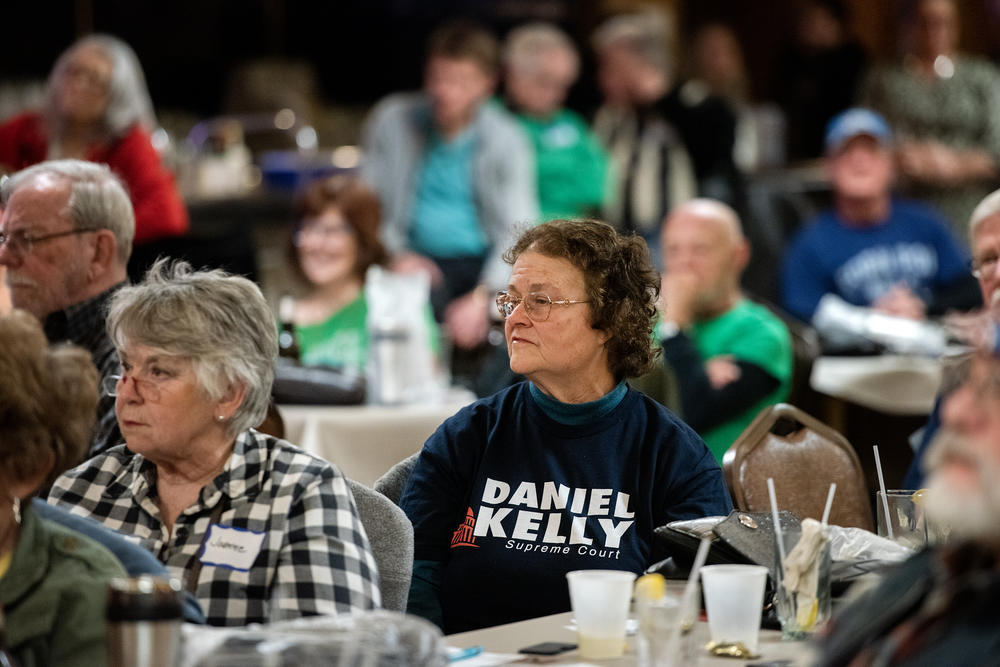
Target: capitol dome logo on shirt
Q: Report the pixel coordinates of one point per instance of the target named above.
(549, 518)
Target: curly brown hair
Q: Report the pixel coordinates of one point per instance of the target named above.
(361, 210)
(48, 402)
(621, 284)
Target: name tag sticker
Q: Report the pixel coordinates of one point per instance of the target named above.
(233, 548)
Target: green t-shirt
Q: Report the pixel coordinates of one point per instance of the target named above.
(572, 166)
(749, 332)
(342, 339)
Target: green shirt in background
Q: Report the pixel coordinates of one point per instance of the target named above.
(342, 339)
(749, 332)
(572, 167)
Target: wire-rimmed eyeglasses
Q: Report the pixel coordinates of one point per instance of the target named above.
(147, 387)
(984, 266)
(537, 306)
(21, 244)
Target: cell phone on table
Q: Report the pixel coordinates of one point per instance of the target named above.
(548, 648)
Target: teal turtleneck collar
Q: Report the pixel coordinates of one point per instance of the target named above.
(572, 414)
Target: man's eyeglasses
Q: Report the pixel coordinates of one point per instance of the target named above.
(21, 244)
(984, 266)
(536, 306)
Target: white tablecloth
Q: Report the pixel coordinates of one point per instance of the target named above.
(890, 383)
(507, 639)
(366, 440)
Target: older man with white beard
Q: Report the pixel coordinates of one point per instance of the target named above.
(940, 606)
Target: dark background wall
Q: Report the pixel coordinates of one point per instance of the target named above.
(361, 49)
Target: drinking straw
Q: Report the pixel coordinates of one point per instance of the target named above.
(688, 596)
(777, 523)
(829, 502)
(885, 498)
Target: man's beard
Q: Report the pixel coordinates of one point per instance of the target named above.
(964, 512)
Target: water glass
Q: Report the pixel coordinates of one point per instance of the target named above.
(909, 528)
(803, 611)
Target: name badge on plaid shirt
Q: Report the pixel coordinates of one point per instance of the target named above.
(233, 548)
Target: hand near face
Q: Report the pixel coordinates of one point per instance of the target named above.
(722, 370)
(466, 319)
(678, 293)
(902, 302)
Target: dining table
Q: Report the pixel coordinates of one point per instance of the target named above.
(364, 441)
(499, 645)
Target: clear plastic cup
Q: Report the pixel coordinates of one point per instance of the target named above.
(734, 598)
(600, 601)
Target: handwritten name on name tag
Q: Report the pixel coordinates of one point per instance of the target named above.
(235, 548)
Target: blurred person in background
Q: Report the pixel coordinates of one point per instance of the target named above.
(495, 527)
(980, 330)
(65, 241)
(334, 242)
(939, 606)
(257, 529)
(541, 63)
(640, 51)
(872, 249)
(945, 109)
(98, 109)
(817, 74)
(730, 357)
(651, 166)
(53, 580)
(454, 173)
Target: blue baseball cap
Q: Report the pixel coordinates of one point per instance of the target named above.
(853, 122)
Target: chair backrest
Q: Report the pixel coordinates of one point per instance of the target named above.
(803, 456)
(390, 534)
(393, 481)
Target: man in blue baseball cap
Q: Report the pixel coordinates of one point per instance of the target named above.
(872, 249)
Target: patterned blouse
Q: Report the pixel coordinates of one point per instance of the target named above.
(276, 532)
(961, 111)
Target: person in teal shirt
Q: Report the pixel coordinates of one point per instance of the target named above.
(729, 357)
(332, 247)
(572, 167)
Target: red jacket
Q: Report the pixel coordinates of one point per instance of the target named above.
(159, 210)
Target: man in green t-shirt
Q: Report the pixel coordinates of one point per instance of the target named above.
(730, 357)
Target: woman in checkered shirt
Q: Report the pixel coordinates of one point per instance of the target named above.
(256, 528)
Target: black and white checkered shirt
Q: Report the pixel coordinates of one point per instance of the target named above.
(313, 558)
(84, 324)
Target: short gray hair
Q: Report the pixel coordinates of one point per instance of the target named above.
(649, 35)
(97, 199)
(526, 43)
(128, 97)
(219, 321)
(987, 208)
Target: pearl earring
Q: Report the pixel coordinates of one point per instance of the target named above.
(220, 418)
(17, 510)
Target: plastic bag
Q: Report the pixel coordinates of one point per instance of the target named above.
(401, 365)
(853, 544)
(370, 639)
